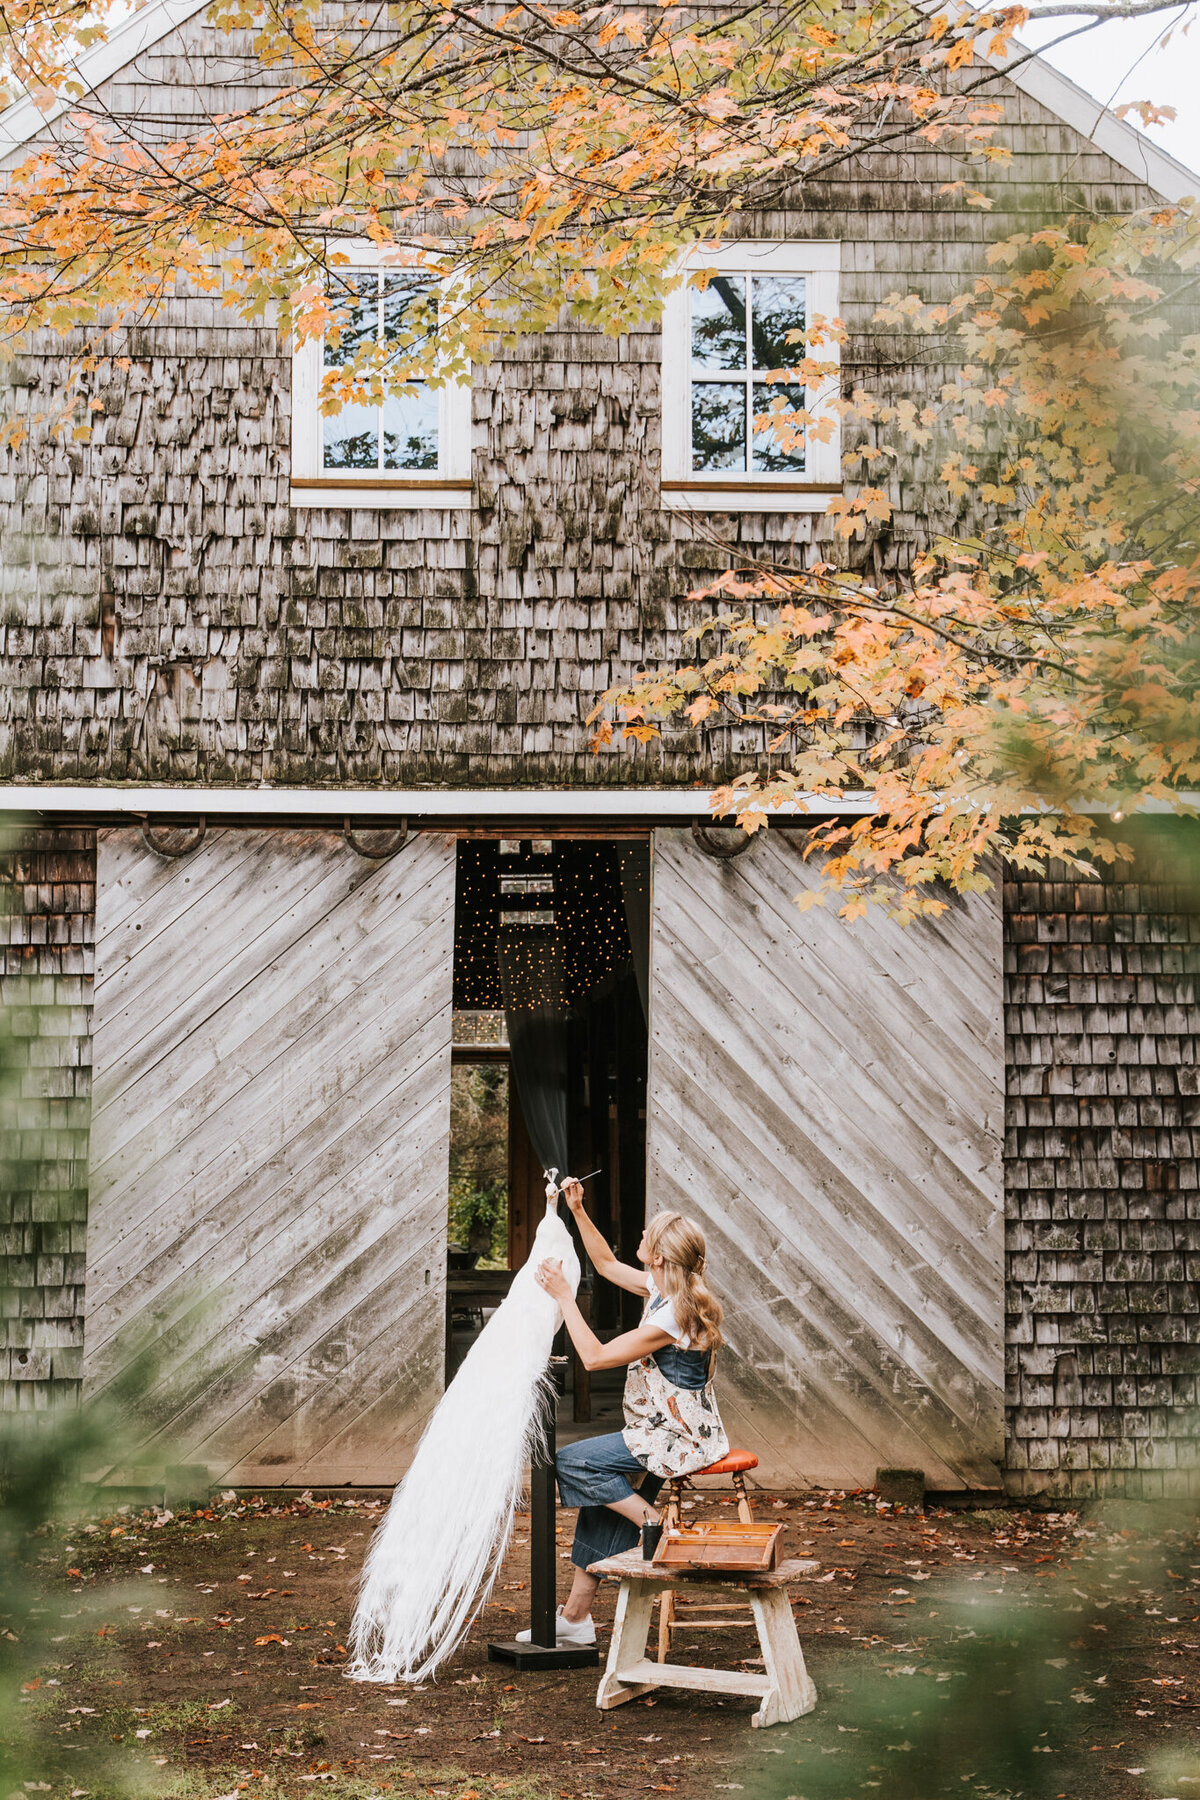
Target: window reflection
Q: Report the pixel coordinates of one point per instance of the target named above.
(718, 425)
(355, 293)
(410, 430)
(409, 305)
(401, 431)
(729, 352)
(352, 438)
(719, 323)
(778, 447)
(778, 302)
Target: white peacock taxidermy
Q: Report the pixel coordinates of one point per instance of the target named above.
(432, 1563)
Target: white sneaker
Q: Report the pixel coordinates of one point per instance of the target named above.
(579, 1632)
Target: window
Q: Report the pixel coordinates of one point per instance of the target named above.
(720, 344)
(413, 448)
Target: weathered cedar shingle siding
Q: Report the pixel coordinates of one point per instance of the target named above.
(1103, 1174)
(47, 913)
(168, 616)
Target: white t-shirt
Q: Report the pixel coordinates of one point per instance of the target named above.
(663, 1318)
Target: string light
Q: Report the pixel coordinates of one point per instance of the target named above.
(567, 934)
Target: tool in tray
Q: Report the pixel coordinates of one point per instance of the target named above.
(723, 1545)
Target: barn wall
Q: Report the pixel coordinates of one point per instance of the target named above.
(167, 614)
(828, 1100)
(47, 905)
(1103, 1174)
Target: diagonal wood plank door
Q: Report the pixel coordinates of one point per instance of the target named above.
(827, 1100)
(270, 1148)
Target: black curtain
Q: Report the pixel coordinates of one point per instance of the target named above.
(635, 893)
(535, 1008)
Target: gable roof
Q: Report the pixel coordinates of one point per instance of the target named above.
(24, 120)
(21, 122)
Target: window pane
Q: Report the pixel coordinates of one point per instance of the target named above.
(410, 430)
(718, 425)
(352, 438)
(778, 307)
(408, 304)
(774, 452)
(357, 289)
(719, 323)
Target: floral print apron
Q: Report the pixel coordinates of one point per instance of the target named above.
(673, 1430)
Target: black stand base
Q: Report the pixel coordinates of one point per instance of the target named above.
(541, 1656)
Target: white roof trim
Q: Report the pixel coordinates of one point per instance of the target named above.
(629, 806)
(21, 122)
(25, 120)
(106, 802)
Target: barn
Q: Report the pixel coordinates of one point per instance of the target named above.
(310, 866)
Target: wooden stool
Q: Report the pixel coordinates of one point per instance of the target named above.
(735, 1463)
(785, 1690)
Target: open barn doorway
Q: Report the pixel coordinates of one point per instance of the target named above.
(551, 957)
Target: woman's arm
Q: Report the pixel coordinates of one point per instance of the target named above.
(603, 1261)
(630, 1347)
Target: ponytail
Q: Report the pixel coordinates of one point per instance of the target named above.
(680, 1243)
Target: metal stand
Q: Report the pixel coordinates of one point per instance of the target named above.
(543, 1652)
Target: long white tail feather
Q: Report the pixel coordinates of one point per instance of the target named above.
(434, 1559)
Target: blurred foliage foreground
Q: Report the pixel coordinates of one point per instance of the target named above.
(1077, 1682)
(43, 1460)
(1005, 1701)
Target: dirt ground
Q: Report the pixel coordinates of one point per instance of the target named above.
(207, 1648)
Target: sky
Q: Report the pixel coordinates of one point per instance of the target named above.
(1126, 60)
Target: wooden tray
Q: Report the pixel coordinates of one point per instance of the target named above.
(733, 1547)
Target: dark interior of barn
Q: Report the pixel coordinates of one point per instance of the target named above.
(551, 961)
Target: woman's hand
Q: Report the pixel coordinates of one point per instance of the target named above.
(550, 1276)
(572, 1193)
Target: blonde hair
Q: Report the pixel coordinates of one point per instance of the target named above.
(680, 1243)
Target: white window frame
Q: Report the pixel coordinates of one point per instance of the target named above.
(819, 261)
(449, 485)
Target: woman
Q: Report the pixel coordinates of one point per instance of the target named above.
(672, 1426)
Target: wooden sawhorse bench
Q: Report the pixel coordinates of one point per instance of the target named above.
(785, 1689)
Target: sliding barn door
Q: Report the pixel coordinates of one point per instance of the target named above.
(827, 1099)
(270, 1141)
